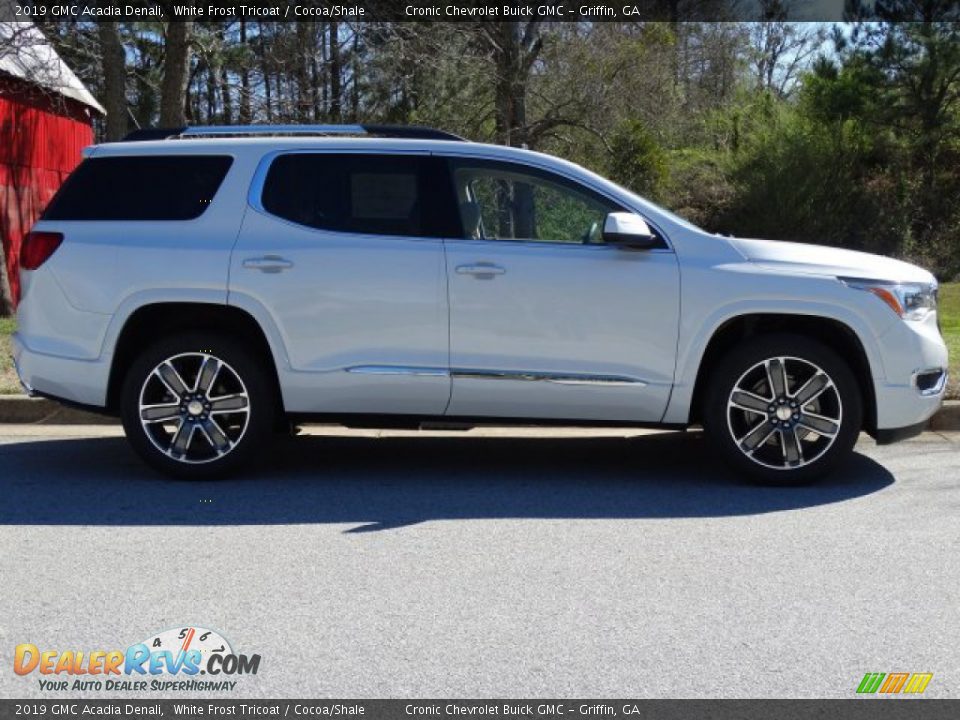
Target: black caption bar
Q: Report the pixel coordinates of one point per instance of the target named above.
(472, 10)
(855, 709)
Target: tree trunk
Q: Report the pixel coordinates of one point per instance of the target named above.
(6, 296)
(355, 62)
(265, 71)
(245, 115)
(113, 66)
(305, 34)
(314, 88)
(212, 76)
(324, 74)
(176, 66)
(226, 96)
(335, 89)
(515, 48)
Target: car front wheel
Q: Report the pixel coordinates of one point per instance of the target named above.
(783, 409)
(197, 406)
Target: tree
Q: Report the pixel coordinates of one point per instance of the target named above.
(176, 68)
(514, 48)
(114, 93)
(913, 57)
(781, 48)
(637, 161)
(6, 295)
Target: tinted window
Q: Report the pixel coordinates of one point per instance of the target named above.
(504, 201)
(140, 188)
(379, 195)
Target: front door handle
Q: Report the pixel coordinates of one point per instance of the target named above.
(268, 264)
(481, 270)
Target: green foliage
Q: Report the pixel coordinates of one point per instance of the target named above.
(949, 313)
(803, 179)
(637, 160)
(700, 187)
(8, 377)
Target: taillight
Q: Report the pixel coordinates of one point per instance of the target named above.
(37, 248)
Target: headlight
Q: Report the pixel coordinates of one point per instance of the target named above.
(911, 301)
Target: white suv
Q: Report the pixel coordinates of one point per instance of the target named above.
(211, 285)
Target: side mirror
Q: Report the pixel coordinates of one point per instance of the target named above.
(628, 231)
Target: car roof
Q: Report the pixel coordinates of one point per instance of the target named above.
(262, 145)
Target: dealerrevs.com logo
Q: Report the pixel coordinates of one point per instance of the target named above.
(185, 659)
(894, 683)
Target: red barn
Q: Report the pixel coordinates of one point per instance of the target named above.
(46, 117)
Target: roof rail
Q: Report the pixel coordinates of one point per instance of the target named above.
(418, 132)
(151, 134)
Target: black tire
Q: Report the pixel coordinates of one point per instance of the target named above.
(738, 434)
(244, 433)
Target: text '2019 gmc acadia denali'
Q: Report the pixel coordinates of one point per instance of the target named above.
(210, 284)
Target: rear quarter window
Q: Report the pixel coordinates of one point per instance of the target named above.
(401, 195)
(150, 187)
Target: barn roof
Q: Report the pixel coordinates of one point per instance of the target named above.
(26, 54)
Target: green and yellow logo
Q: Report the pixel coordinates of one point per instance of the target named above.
(894, 683)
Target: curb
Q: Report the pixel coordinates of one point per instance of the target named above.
(40, 411)
(947, 418)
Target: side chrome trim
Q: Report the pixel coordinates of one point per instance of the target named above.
(557, 378)
(398, 370)
(477, 374)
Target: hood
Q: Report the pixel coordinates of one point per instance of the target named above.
(823, 260)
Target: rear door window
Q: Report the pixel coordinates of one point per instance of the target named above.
(405, 195)
(149, 187)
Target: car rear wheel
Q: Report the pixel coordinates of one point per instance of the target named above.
(197, 406)
(783, 409)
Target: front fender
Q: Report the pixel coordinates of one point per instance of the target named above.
(708, 307)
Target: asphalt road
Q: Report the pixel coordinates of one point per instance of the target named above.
(585, 565)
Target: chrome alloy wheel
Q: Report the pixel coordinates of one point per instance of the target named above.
(784, 413)
(194, 407)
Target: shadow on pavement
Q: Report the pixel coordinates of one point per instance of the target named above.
(381, 483)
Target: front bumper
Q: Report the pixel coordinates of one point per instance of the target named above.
(892, 435)
(915, 369)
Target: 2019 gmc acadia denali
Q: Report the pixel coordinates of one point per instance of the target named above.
(211, 284)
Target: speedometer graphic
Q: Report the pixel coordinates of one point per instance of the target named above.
(180, 641)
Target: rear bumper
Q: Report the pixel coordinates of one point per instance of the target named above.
(29, 391)
(83, 382)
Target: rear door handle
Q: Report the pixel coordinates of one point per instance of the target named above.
(268, 264)
(481, 270)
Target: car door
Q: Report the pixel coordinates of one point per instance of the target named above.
(343, 252)
(546, 321)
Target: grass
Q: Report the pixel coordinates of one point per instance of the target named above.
(949, 322)
(950, 325)
(8, 377)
